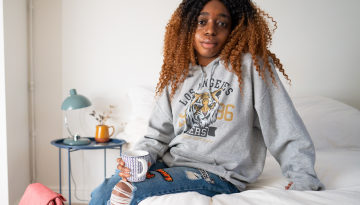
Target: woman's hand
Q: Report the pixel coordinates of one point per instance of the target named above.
(124, 171)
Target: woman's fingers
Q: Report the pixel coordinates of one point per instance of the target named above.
(124, 176)
(120, 161)
(124, 171)
(121, 165)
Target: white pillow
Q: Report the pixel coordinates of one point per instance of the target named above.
(331, 124)
(142, 102)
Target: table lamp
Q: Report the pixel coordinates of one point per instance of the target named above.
(74, 102)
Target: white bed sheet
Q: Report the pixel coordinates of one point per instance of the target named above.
(338, 169)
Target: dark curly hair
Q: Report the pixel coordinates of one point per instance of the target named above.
(250, 33)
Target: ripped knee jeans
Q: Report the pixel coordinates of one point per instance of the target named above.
(162, 180)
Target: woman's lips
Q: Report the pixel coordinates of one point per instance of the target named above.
(208, 44)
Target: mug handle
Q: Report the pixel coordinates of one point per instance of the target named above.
(113, 130)
(144, 166)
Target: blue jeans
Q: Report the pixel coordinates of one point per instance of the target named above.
(164, 180)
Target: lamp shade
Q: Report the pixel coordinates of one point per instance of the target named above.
(75, 101)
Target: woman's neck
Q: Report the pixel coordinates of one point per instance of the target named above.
(203, 62)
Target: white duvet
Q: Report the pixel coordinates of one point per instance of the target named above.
(335, 130)
(338, 169)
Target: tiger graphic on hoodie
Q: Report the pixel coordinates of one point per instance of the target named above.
(202, 111)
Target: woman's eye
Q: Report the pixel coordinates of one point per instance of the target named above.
(222, 24)
(201, 22)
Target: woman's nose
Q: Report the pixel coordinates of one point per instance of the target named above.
(210, 29)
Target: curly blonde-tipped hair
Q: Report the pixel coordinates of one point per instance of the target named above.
(250, 34)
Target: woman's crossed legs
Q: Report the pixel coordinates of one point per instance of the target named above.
(160, 180)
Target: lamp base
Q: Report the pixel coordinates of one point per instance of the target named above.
(78, 142)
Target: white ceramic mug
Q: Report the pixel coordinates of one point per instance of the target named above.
(137, 162)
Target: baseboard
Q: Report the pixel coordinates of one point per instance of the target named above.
(82, 195)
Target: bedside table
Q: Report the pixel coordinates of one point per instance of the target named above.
(111, 144)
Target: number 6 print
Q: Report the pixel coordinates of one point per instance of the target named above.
(226, 112)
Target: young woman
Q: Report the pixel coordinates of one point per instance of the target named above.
(220, 106)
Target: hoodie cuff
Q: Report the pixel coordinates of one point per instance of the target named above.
(312, 184)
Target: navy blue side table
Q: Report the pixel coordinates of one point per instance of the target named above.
(112, 144)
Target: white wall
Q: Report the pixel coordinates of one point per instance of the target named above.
(123, 44)
(104, 48)
(47, 66)
(16, 88)
(4, 182)
(318, 43)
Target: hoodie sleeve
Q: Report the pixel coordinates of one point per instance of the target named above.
(160, 129)
(284, 132)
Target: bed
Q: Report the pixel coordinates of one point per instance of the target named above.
(335, 130)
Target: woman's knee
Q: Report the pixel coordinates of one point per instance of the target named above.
(122, 193)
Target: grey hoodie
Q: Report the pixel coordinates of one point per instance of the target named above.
(209, 125)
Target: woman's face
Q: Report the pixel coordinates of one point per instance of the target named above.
(212, 31)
